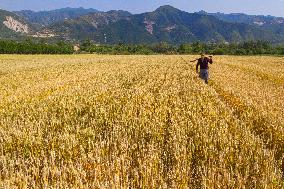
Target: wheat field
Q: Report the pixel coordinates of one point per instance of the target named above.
(100, 121)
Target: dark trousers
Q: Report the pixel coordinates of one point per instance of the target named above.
(204, 74)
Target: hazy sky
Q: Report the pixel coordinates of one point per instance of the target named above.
(263, 7)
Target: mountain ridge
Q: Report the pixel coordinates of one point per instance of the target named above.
(259, 20)
(165, 24)
(13, 26)
(44, 18)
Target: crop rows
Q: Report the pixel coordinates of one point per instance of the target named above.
(92, 121)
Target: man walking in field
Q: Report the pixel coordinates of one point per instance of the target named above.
(203, 62)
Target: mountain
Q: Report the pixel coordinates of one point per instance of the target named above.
(12, 26)
(270, 23)
(91, 26)
(45, 18)
(259, 20)
(166, 24)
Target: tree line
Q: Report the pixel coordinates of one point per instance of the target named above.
(245, 48)
(32, 47)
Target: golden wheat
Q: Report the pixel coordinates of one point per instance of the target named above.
(93, 121)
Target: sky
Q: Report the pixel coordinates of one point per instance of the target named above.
(255, 7)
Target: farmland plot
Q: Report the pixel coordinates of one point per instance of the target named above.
(98, 121)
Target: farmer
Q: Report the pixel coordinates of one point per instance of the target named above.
(203, 63)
